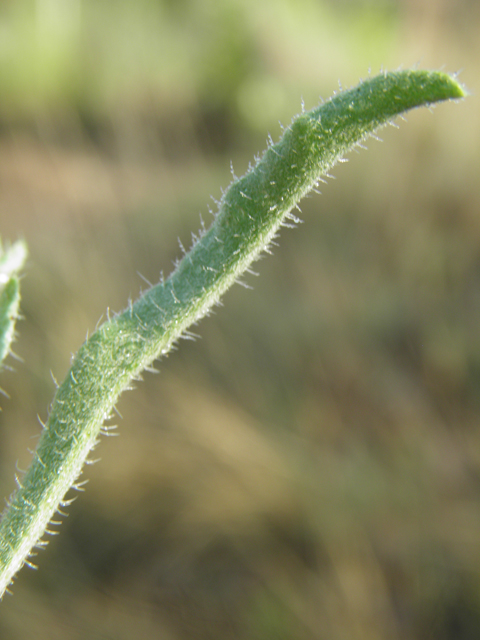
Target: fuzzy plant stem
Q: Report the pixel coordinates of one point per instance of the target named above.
(250, 214)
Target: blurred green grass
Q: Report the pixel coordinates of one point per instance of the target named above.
(309, 468)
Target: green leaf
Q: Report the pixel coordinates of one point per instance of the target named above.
(249, 216)
(11, 262)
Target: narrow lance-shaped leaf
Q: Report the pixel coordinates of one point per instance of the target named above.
(11, 262)
(249, 216)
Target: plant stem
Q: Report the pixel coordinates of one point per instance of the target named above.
(249, 216)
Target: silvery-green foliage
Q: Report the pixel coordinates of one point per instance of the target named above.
(11, 262)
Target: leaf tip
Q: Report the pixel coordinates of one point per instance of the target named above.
(452, 88)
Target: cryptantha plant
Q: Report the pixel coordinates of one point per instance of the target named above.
(249, 215)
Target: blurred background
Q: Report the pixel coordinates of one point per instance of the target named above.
(310, 468)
